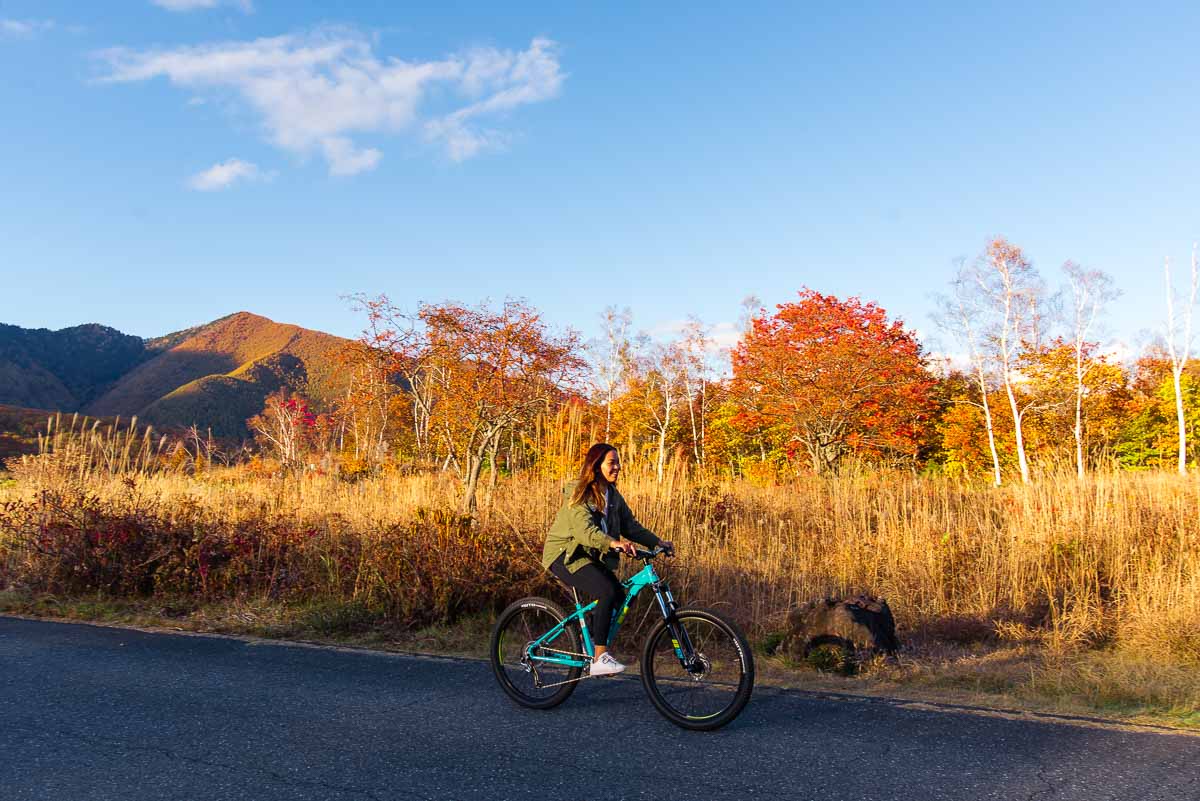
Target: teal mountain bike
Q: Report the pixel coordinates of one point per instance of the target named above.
(696, 665)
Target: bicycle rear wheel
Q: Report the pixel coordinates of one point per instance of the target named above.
(715, 688)
(530, 682)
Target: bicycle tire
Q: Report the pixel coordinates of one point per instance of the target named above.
(521, 622)
(666, 682)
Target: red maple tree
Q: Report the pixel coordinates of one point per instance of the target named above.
(837, 377)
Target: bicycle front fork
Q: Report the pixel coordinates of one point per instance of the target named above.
(689, 660)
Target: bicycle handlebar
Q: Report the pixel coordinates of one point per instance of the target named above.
(648, 555)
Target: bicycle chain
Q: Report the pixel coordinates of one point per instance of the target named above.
(538, 681)
(564, 653)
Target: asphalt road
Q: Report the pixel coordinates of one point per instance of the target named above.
(99, 713)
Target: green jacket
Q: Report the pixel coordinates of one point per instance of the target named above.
(577, 533)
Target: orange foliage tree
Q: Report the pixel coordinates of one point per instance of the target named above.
(371, 413)
(964, 448)
(1070, 385)
(839, 376)
(393, 347)
(474, 373)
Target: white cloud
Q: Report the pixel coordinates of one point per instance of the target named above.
(725, 336)
(346, 159)
(720, 337)
(315, 92)
(462, 143)
(530, 77)
(225, 174)
(25, 27)
(1120, 352)
(942, 363)
(247, 6)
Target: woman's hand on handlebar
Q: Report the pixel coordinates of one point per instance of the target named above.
(667, 546)
(624, 546)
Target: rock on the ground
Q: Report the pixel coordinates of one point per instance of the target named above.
(862, 622)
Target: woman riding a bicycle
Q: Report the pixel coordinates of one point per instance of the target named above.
(696, 665)
(583, 545)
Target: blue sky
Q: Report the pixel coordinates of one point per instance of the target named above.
(163, 165)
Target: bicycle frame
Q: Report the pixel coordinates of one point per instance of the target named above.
(646, 577)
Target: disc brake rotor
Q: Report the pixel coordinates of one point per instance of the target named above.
(699, 667)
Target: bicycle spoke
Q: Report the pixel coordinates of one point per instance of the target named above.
(533, 678)
(713, 686)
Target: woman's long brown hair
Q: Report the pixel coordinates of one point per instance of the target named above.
(591, 482)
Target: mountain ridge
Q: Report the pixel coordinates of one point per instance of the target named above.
(213, 375)
(64, 369)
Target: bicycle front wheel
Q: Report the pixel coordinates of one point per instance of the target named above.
(715, 684)
(531, 682)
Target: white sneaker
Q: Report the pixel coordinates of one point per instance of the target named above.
(606, 665)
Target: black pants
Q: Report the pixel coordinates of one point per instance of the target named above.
(594, 581)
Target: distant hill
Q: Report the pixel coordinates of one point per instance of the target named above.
(64, 370)
(214, 375)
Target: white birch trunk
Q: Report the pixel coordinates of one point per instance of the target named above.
(1179, 353)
